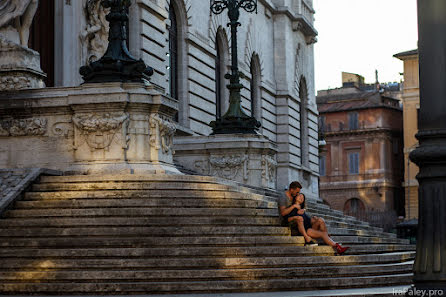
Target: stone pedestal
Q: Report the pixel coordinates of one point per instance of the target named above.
(109, 128)
(244, 158)
(19, 67)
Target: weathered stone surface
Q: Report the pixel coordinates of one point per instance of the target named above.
(96, 129)
(247, 159)
(210, 237)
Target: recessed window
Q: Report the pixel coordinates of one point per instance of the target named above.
(353, 122)
(173, 53)
(353, 163)
(322, 168)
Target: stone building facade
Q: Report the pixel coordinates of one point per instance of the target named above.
(189, 50)
(411, 109)
(361, 164)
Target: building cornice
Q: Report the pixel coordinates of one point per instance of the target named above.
(358, 132)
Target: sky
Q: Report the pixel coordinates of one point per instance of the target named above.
(359, 36)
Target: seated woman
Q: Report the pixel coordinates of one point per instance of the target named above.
(292, 209)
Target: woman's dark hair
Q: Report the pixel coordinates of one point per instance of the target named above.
(302, 205)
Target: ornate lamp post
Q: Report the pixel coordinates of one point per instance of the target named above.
(234, 120)
(117, 64)
(430, 156)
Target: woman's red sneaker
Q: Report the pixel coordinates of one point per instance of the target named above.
(340, 249)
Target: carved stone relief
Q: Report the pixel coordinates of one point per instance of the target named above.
(23, 127)
(269, 166)
(99, 130)
(16, 17)
(162, 131)
(62, 129)
(224, 166)
(94, 37)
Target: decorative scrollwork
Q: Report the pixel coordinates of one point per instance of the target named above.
(218, 6)
(248, 5)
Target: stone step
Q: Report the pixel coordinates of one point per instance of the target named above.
(127, 194)
(145, 231)
(348, 240)
(168, 178)
(216, 241)
(337, 218)
(157, 221)
(157, 241)
(205, 274)
(321, 250)
(169, 213)
(206, 262)
(97, 186)
(337, 224)
(137, 221)
(206, 286)
(158, 202)
(178, 230)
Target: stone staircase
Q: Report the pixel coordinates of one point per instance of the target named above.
(180, 234)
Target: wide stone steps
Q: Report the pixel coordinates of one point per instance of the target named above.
(152, 241)
(168, 212)
(180, 234)
(295, 272)
(145, 231)
(208, 286)
(246, 200)
(136, 221)
(207, 262)
(197, 251)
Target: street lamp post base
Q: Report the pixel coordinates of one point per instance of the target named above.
(234, 125)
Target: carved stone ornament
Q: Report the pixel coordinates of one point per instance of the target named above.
(229, 166)
(16, 17)
(94, 37)
(269, 166)
(23, 127)
(99, 130)
(162, 131)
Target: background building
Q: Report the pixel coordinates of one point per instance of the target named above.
(411, 111)
(361, 166)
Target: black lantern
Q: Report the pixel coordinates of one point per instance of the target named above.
(234, 120)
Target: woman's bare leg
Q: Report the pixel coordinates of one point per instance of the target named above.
(318, 224)
(300, 226)
(319, 234)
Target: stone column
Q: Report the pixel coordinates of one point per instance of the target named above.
(430, 156)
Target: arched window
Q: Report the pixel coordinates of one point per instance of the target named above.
(256, 106)
(304, 143)
(354, 206)
(173, 53)
(221, 62)
(178, 61)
